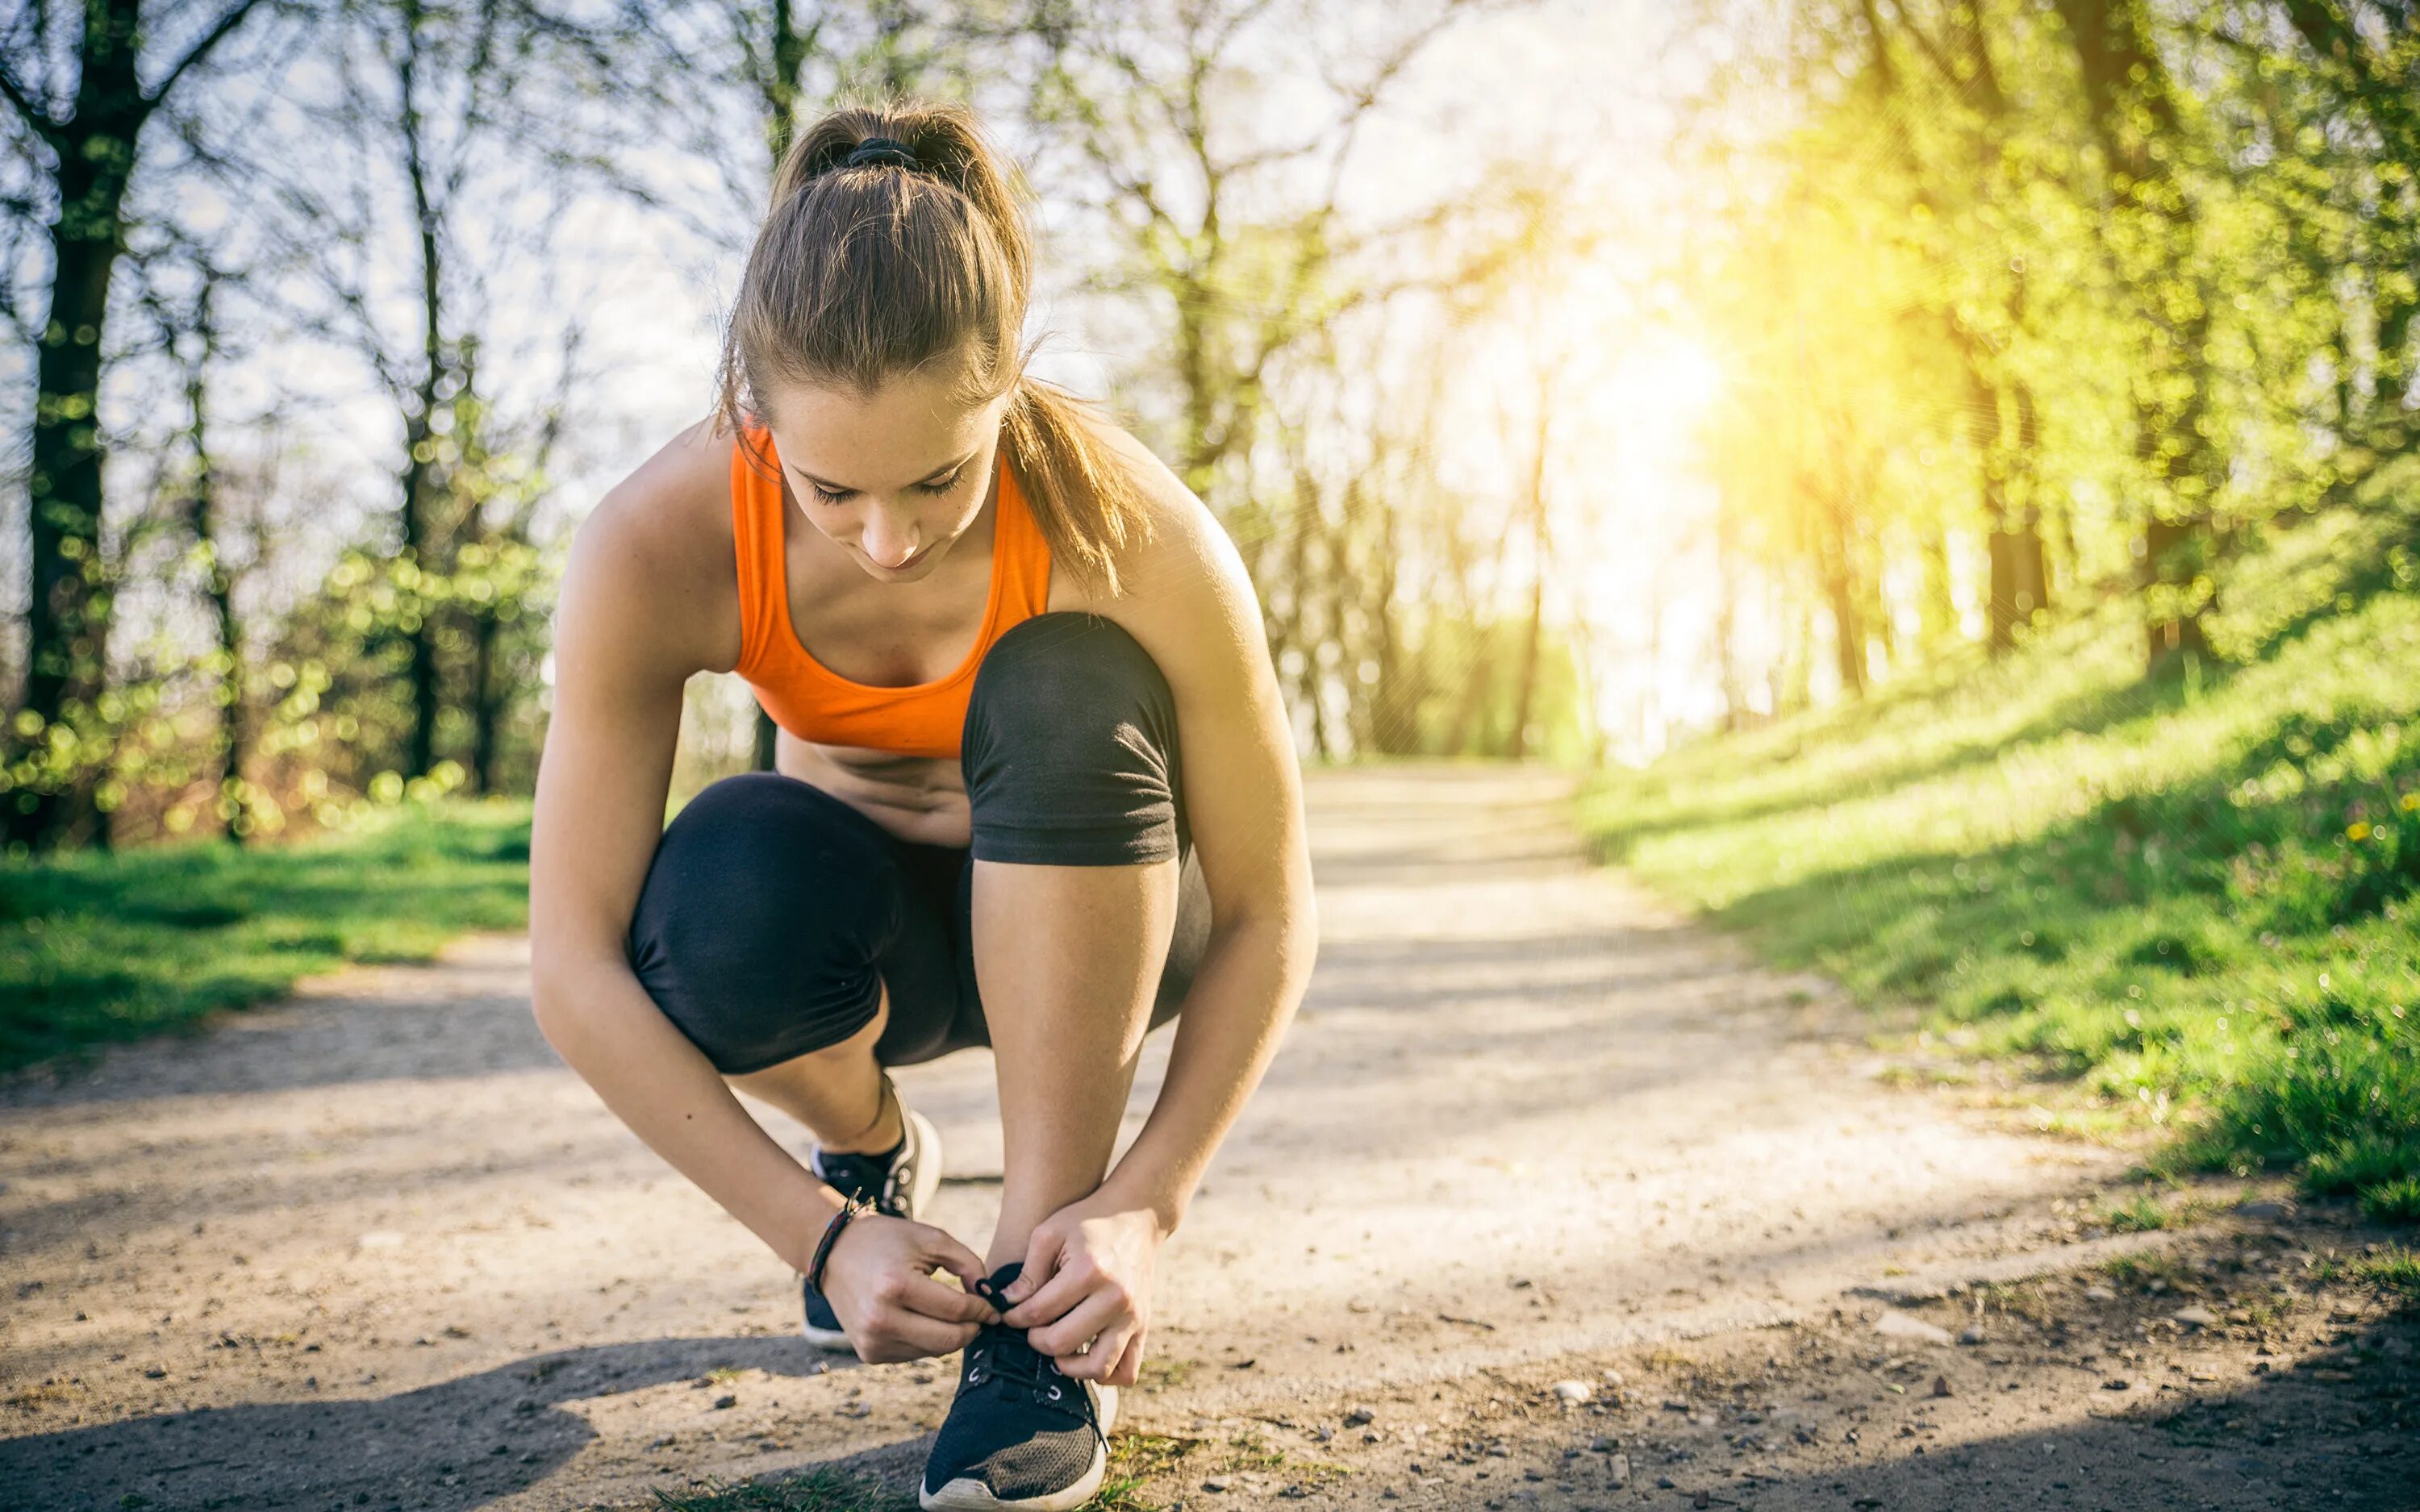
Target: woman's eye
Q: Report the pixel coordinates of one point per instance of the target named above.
(825, 496)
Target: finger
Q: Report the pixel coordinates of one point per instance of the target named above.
(919, 1336)
(1042, 1249)
(1096, 1313)
(1048, 1305)
(938, 1247)
(1098, 1362)
(1129, 1366)
(928, 1297)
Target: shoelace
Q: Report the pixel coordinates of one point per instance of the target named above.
(1001, 1352)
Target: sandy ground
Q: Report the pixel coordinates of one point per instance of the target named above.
(375, 1246)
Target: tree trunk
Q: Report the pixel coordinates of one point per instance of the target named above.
(1518, 747)
(67, 608)
(202, 520)
(419, 549)
(487, 701)
(2126, 90)
(1840, 595)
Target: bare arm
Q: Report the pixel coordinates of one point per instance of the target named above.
(1196, 613)
(621, 660)
(1088, 1266)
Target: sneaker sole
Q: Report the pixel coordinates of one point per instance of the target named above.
(920, 1197)
(974, 1496)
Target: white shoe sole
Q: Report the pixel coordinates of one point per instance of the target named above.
(974, 1496)
(928, 1140)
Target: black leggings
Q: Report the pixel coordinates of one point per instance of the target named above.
(774, 914)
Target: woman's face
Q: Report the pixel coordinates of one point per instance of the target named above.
(893, 477)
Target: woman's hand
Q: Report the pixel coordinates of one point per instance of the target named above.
(879, 1281)
(1087, 1275)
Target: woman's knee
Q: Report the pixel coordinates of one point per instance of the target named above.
(1070, 749)
(760, 919)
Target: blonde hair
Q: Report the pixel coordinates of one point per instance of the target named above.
(863, 273)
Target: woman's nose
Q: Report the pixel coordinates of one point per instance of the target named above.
(886, 543)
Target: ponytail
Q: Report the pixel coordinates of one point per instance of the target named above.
(870, 266)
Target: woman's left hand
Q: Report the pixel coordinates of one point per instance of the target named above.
(1087, 1275)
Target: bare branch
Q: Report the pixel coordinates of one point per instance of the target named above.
(210, 40)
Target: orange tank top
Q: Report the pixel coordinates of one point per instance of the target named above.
(816, 704)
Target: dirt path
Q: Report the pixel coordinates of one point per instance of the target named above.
(375, 1247)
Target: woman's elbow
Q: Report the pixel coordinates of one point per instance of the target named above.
(562, 982)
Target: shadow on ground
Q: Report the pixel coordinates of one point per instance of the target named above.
(454, 1445)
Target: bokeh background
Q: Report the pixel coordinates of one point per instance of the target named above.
(1945, 468)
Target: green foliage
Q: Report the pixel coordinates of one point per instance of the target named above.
(2395, 1267)
(2140, 1215)
(2195, 896)
(99, 946)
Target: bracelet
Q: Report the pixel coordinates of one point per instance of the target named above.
(831, 1231)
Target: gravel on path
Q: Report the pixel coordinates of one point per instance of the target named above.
(375, 1246)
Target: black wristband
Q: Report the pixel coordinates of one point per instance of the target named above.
(832, 1232)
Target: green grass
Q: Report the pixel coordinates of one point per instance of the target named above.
(2393, 1269)
(105, 947)
(2191, 896)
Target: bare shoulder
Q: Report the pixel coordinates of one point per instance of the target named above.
(1189, 562)
(657, 552)
(1185, 593)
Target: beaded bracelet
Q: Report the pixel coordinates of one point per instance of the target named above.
(831, 1231)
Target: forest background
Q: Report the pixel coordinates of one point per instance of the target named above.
(1966, 446)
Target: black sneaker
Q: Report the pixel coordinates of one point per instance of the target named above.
(1020, 1434)
(901, 1183)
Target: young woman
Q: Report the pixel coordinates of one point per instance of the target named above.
(1035, 789)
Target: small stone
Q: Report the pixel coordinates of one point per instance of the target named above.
(2098, 1293)
(2262, 1209)
(1572, 1392)
(1667, 1483)
(1359, 1417)
(1617, 1469)
(1941, 1385)
(1972, 1333)
(1604, 1445)
(2116, 1383)
(1613, 1377)
(1898, 1325)
(721, 1402)
(1214, 1486)
(2194, 1317)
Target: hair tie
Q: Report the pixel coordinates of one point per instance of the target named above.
(877, 150)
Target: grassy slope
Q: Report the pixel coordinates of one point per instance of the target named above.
(95, 948)
(2195, 896)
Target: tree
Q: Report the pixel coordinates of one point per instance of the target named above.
(92, 149)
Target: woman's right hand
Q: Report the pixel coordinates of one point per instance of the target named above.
(879, 1281)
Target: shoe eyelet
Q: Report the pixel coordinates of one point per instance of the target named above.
(1054, 1394)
